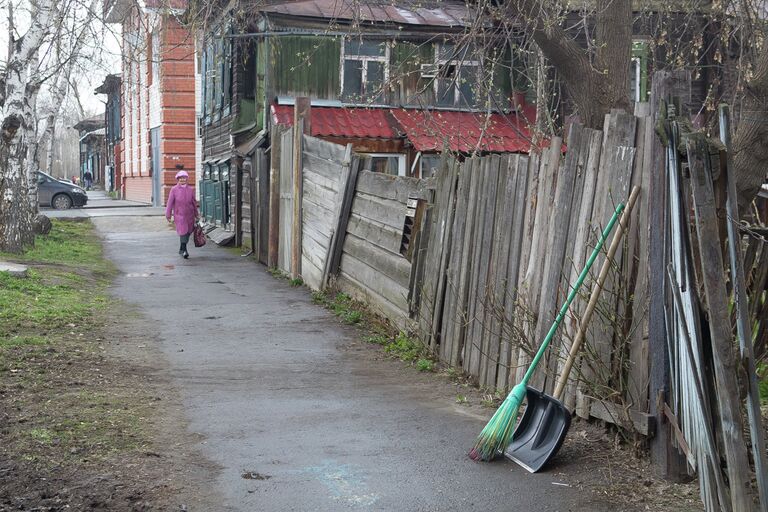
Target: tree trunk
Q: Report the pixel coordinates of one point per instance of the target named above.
(595, 87)
(15, 214)
(16, 232)
(750, 141)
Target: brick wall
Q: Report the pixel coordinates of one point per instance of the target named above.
(138, 188)
(177, 103)
(165, 100)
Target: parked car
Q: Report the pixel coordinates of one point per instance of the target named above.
(58, 194)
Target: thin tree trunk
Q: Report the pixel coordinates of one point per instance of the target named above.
(49, 141)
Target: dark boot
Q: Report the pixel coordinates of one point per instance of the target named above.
(181, 249)
(184, 251)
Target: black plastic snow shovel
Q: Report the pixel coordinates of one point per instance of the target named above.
(546, 421)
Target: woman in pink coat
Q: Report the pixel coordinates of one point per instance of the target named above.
(183, 207)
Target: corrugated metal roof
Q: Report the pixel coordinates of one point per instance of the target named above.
(366, 123)
(425, 130)
(464, 131)
(436, 14)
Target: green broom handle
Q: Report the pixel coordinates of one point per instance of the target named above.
(572, 295)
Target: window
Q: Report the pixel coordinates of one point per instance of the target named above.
(248, 68)
(154, 61)
(365, 70)
(430, 163)
(638, 71)
(456, 77)
(217, 77)
(387, 163)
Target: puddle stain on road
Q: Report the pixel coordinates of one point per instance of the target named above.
(342, 483)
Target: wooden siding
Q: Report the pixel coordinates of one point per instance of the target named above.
(406, 61)
(305, 66)
(216, 139)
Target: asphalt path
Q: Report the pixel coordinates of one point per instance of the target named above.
(295, 419)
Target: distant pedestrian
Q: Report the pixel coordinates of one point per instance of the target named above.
(183, 207)
(74, 180)
(88, 179)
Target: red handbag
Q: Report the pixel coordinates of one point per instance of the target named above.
(199, 236)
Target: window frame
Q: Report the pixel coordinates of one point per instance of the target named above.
(427, 156)
(217, 75)
(365, 59)
(401, 167)
(459, 64)
(154, 57)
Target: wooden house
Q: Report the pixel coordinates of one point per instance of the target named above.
(92, 148)
(392, 80)
(113, 181)
(158, 96)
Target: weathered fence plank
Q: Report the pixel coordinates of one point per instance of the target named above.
(614, 176)
(471, 342)
(286, 202)
(531, 283)
(557, 238)
(497, 276)
(482, 333)
(727, 391)
(520, 167)
(637, 248)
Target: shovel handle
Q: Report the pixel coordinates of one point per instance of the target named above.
(580, 334)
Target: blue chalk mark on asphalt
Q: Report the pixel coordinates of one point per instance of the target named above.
(342, 483)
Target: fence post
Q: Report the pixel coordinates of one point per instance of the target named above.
(666, 460)
(275, 153)
(301, 126)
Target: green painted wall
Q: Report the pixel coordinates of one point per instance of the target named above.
(406, 59)
(305, 66)
(502, 80)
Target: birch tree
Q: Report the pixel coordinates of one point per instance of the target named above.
(17, 94)
(44, 54)
(68, 53)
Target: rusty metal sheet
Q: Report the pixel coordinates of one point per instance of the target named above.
(440, 14)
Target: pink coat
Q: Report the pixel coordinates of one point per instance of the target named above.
(183, 207)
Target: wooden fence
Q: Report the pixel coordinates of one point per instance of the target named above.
(478, 260)
(352, 223)
(374, 266)
(507, 237)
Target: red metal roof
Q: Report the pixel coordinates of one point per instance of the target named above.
(440, 14)
(368, 123)
(425, 130)
(464, 131)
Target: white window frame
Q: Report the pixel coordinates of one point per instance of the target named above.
(365, 59)
(400, 160)
(458, 65)
(155, 57)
